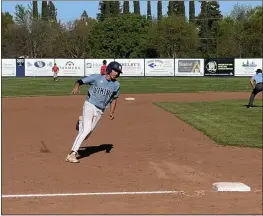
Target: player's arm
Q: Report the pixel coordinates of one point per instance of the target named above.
(114, 103)
(86, 80)
(113, 107)
(252, 82)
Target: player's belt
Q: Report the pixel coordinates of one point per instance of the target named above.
(99, 108)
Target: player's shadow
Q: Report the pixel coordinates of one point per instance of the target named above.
(89, 150)
(253, 105)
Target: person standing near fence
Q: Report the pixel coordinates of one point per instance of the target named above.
(257, 78)
(55, 71)
(103, 68)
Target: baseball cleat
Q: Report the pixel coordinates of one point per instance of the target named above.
(72, 158)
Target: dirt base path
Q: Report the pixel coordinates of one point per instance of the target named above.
(152, 151)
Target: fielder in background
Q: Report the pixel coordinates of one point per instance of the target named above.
(103, 91)
(257, 78)
(55, 71)
(103, 68)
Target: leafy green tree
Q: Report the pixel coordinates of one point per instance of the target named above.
(192, 11)
(52, 12)
(44, 11)
(159, 9)
(7, 23)
(175, 8)
(7, 19)
(149, 10)
(252, 34)
(208, 24)
(119, 37)
(239, 33)
(35, 10)
(23, 16)
(104, 10)
(241, 13)
(126, 7)
(136, 5)
(114, 8)
(227, 46)
(181, 8)
(14, 41)
(174, 37)
(75, 38)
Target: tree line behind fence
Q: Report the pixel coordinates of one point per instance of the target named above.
(117, 32)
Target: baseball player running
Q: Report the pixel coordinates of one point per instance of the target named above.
(103, 91)
(257, 78)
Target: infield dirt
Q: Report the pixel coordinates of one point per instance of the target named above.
(152, 150)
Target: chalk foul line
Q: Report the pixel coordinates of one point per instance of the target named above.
(199, 193)
(91, 194)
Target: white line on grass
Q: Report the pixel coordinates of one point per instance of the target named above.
(91, 194)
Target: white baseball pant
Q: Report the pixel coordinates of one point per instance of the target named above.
(90, 117)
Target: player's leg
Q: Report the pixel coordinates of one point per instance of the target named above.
(55, 76)
(258, 88)
(96, 119)
(84, 129)
(89, 118)
(78, 124)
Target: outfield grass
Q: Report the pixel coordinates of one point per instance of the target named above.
(33, 86)
(226, 122)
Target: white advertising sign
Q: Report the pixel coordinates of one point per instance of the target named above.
(132, 67)
(189, 67)
(92, 66)
(70, 67)
(159, 67)
(247, 67)
(8, 67)
(39, 67)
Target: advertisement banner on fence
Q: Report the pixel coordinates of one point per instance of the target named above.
(132, 67)
(39, 67)
(20, 67)
(70, 67)
(159, 67)
(219, 67)
(247, 67)
(8, 67)
(92, 66)
(189, 67)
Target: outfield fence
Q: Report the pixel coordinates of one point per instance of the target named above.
(155, 67)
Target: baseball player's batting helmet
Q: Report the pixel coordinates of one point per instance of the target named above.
(258, 71)
(116, 66)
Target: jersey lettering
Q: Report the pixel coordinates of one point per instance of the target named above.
(102, 91)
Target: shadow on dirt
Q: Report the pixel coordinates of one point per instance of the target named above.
(89, 150)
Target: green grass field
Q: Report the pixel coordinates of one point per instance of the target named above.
(227, 122)
(29, 86)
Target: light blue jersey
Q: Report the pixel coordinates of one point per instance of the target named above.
(101, 91)
(258, 78)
